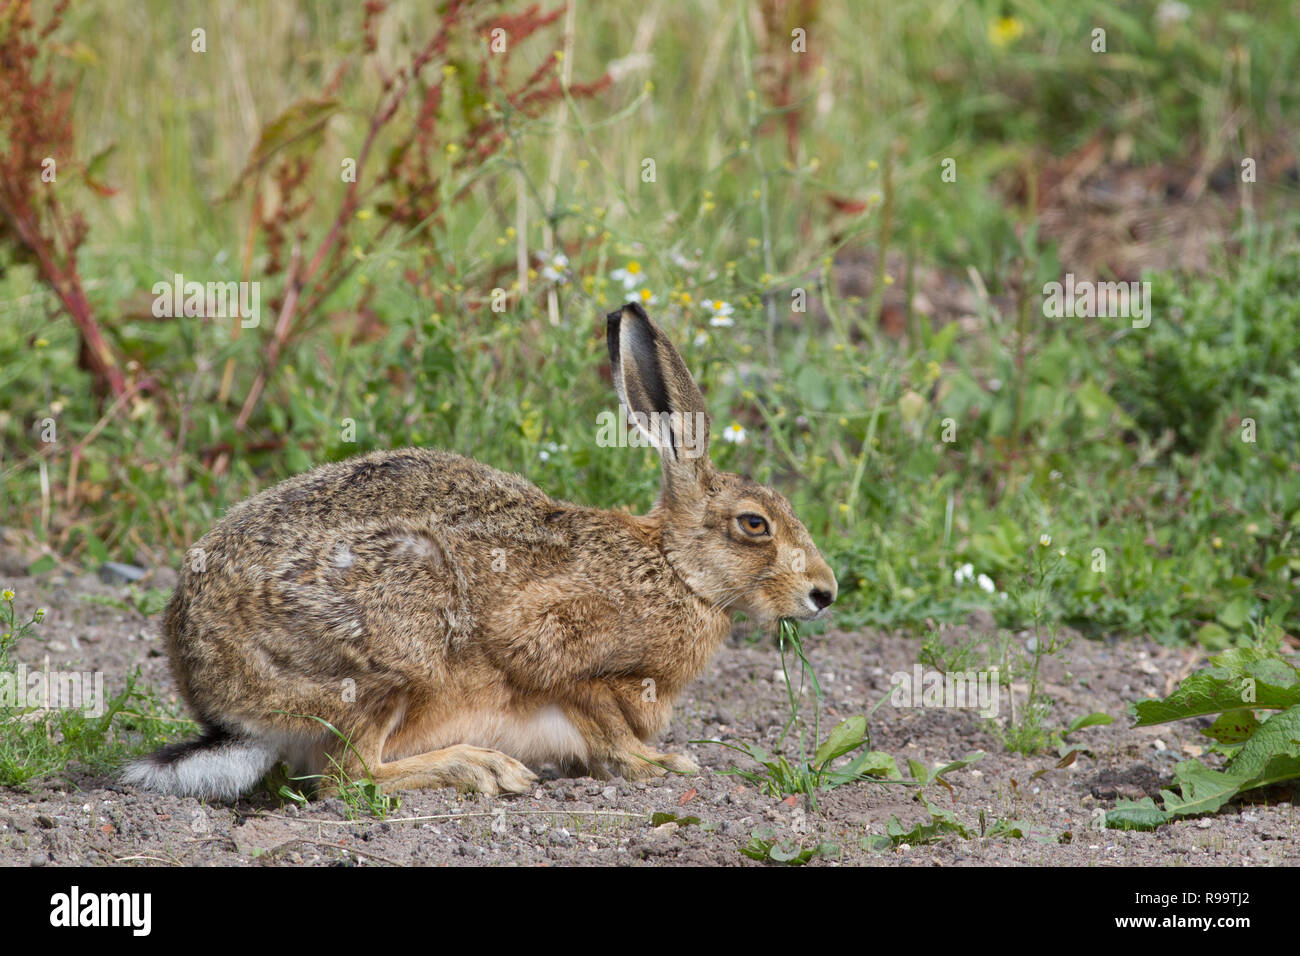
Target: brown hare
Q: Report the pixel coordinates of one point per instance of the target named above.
(458, 626)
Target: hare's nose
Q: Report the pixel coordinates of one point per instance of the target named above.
(822, 599)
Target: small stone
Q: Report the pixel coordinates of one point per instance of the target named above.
(114, 572)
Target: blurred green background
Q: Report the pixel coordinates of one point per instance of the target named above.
(847, 219)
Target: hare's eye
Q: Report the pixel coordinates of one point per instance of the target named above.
(753, 524)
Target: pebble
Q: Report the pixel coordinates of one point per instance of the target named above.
(114, 572)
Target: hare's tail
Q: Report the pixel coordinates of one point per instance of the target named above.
(217, 765)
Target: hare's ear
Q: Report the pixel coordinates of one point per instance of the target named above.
(661, 397)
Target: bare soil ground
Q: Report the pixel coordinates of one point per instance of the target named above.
(79, 818)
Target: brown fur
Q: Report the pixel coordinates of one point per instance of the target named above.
(458, 625)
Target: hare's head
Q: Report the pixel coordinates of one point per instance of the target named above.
(736, 543)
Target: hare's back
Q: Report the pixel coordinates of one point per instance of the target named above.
(456, 492)
(363, 561)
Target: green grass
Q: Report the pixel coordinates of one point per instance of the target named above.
(37, 740)
(1124, 445)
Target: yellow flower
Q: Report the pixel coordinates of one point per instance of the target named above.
(8, 595)
(1005, 31)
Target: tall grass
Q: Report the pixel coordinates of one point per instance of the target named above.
(1058, 424)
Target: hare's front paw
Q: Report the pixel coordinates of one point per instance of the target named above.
(645, 766)
(461, 766)
(491, 772)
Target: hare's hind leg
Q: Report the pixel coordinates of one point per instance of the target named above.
(460, 766)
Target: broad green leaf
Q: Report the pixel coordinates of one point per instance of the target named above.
(1239, 679)
(1233, 727)
(1095, 719)
(1143, 815)
(847, 735)
(1235, 613)
(1277, 737)
(783, 852)
(1213, 636)
(1203, 790)
(875, 763)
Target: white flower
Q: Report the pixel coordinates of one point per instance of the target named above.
(1170, 12)
(557, 269)
(701, 339)
(720, 313)
(986, 584)
(1044, 540)
(551, 449)
(646, 297)
(734, 434)
(964, 573)
(630, 275)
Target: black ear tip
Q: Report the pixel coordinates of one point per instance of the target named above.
(612, 319)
